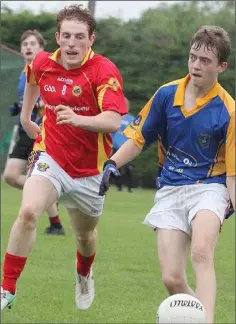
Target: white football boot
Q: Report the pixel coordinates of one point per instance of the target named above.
(7, 299)
(84, 290)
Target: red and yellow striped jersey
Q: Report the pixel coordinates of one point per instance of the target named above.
(89, 90)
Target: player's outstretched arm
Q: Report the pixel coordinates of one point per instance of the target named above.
(126, 153)
(31, 95)
(105, 122)
(230, 182)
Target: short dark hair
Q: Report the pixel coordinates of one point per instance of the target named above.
(35, 33)
(213, 38)
(77, 12)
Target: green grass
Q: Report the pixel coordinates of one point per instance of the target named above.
(127, 274)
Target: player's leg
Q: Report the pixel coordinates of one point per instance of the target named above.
(38, 194)
(15, 170)
(173, 247)
(55, 227)
(209, 203)
(84, 207)
(205, 231)
(170, 218)
(14, 173)
(84, 228)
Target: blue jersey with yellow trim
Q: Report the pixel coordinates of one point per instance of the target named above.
(36, 115)
(193, 146)
(118, 138)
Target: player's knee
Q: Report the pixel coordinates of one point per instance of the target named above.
(28, 216)
(202, 254)
(174, 282)
(9, 178)
(85, 238)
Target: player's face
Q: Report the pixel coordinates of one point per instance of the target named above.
(74, 41)
(30, 47)
(204, 66)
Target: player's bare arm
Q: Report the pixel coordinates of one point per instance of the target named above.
(105, 122)
(31, 95)
(230, 182)
(128, 152)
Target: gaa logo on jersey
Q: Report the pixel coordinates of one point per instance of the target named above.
(77, 91)
(42, 166)
(114, 84)
(49, 88)
(204, 140)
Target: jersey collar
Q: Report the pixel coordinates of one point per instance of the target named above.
(89, 55)
(179, 94)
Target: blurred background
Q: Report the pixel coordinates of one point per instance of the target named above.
(147, 40)
(149, 43)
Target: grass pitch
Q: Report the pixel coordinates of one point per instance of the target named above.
(127, 274)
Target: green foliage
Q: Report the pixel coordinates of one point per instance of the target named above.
(13, 25)
(149, 51)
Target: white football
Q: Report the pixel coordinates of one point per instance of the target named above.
(181, 308)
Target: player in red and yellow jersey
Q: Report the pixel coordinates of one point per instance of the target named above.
(93, 88)
(84, 102)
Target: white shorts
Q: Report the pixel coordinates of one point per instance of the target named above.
(81, 193)
(176, 206)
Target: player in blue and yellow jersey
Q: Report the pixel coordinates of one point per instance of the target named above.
(31, 43)
(193, 121)
(118, 139)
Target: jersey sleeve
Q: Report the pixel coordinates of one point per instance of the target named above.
(109, 89)
(150, 123)
(33, 70)
(31, 79)
(230, 147)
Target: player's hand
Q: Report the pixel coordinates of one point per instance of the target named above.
(109, 170)
(31, 128)
(65, 115)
